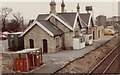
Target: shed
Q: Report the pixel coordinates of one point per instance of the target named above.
(78, 42)
(26, 59)
(15, 41)
(88, 39)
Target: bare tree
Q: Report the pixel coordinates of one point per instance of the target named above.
(18, 18)
(5, 11)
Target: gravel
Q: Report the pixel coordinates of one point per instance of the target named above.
(85, 64)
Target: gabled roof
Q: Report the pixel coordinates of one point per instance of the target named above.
(51, 27)
(68, 17)
(85, 17)
(83, 24)
(46, 26)
(61, 20)
(42, 16)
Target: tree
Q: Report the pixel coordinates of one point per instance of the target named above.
(18, 19)
(5, 12)
(12, 26)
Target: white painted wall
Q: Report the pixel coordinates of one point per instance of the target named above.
(87, 40)
(77, 43)
(82, 45)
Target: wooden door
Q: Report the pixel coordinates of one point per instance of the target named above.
(45, 47)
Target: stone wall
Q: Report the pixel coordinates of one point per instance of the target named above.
(94, 32)
(69, 40)
(38, 34)
(98, 30)
(68, 35)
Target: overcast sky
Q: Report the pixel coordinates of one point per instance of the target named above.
(60, 0)
(31, 8)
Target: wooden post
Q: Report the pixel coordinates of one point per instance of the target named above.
(33, 60)
(41, 56)
(27, 62)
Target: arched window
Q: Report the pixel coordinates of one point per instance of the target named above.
(31, 41)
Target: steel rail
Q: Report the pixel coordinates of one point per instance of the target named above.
(111, 63)
(104, 58)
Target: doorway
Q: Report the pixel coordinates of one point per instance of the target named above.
(99, 34)
(31, 43)
(45, 47)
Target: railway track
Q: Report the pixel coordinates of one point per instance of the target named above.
(110, 63)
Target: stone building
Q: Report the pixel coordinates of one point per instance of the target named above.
(101, 20)
(98, 32)
(55, 31)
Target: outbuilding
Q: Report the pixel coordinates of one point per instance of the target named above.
(98, 32)
(15, 41)
(78, 42)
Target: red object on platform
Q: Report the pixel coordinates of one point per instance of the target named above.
(16, 64)
(20, 64)
(37, 60)
(30, 60)
(25, 64)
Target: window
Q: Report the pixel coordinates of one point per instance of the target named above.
(31, 41)
(90, 37)
(99, 34)
(57, 42)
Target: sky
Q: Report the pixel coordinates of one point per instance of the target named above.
(60, 0)
(31, 8)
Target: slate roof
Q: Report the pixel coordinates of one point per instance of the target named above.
(51, 27)
(69, 18)
(83, 24)
(85, 17)
(42, 16)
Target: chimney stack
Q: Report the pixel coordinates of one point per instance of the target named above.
(78, 8)
(52, 7)
(62, 7)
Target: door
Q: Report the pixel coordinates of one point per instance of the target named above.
(31, 43)
(99, 34)
(45, 48)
